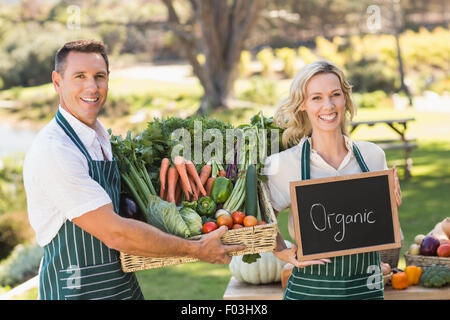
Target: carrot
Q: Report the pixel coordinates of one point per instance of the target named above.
(180, 165)
(163, 176)
(178, 193)
(172, 178)
(190, 167)
(222, 173)
(194, 189)
(205, 173)
(209, 184)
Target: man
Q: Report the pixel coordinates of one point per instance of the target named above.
(73, 186)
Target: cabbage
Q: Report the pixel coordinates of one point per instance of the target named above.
(192, 220)
(165, 216)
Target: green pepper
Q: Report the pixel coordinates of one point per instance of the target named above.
(206, 206)
(191, 205)
(221, 189)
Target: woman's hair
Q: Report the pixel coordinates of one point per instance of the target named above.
(288, 114)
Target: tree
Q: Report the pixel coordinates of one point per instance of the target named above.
(217, 29)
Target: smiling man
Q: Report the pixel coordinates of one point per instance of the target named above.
(72, 184)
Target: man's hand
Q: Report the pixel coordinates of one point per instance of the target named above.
(212, 250)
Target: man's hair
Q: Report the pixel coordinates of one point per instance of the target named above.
(79, 46)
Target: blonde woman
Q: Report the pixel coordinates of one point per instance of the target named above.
(315, 116)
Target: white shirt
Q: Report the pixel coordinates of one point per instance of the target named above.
(56, 176)
(284, 167)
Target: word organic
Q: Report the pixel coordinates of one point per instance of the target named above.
(322, 220)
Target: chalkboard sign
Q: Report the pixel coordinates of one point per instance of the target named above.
(345, 215)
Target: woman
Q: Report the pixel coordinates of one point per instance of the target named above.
(315, 116)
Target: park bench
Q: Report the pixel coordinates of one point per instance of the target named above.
(403, 143)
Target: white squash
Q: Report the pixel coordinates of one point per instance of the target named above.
(266, 269)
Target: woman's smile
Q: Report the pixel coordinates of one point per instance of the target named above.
(329, 117)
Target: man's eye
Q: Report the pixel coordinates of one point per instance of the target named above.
(80, 76)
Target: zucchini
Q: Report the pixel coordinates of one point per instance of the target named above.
(251, 199)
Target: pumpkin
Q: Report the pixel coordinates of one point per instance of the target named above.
(266, 269)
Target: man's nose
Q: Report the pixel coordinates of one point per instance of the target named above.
(91, 84)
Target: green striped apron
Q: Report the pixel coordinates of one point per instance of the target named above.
(78, 266)
(350, 277)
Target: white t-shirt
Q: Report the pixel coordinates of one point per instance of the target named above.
(284, 167)
(56, 176)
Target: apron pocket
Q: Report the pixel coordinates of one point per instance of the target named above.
(104, 281)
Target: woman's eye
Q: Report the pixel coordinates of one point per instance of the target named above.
(316, 98)
(337, 94)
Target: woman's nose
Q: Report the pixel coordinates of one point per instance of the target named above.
(328, 103)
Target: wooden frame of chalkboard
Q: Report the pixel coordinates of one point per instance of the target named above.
(345, 215)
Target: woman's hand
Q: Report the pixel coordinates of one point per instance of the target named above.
(397, 190)
(290, 255)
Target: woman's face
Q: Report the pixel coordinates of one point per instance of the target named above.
(324, 103)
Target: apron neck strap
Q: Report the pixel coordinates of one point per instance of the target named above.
(306, 151)
(62, 122)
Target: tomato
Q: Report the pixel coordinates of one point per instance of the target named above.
(237, 226)
(209, 226)
(250, 221)
(238, 217)
(225, 220)
(261, 223)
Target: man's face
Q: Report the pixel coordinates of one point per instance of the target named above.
(82, 85)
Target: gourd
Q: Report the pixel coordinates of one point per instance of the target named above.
(266, 269)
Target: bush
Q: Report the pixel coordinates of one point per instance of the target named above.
(21, 265)
(244, 63)
(12, 191)
(261, 90)
(288, 56)
(376, 99)
(266, 57)
(14, 229)
(370, 74)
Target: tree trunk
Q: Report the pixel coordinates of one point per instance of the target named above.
(217, 28)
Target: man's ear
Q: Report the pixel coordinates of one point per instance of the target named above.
(56, 78)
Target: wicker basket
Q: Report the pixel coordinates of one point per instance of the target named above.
(390, 256)
(257, 239)
(425, 261)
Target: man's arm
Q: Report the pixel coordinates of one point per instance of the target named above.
(142, 239)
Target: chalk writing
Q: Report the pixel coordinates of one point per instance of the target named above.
(322, 220)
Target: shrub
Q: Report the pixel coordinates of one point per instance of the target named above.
(14, 229)
(21, 265)
(307, 55)
(376, 99)
(266, 57)
(370, 74)
(244, 63)
(288, 56)
(261, 90)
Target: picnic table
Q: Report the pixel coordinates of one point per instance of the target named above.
(399, 126)
(238, 290)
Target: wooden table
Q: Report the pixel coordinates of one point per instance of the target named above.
(238, 290)
(399, 126)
